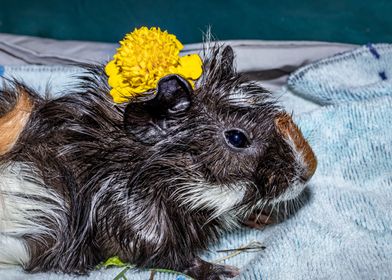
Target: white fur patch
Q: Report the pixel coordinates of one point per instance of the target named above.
(244, 97)
(221, 199)
(290, 193)
(298, 154)
(23, 200)
(13, 251)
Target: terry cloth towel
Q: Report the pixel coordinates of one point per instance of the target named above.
(344, 230)
(358, 75)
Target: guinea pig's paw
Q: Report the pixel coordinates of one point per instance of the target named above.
(259, 221)
(203, 270)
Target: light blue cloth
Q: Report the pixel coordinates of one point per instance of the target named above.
(49, 78)
(345, 229)
(357, 75)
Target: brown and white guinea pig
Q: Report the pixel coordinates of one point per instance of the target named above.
(154, 181)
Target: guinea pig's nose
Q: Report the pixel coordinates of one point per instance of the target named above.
(292, 134)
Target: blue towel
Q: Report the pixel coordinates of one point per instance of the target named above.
(358, 75)
(344, 231)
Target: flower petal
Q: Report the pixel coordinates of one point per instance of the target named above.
(190, 66)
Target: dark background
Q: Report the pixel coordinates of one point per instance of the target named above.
(351, 21)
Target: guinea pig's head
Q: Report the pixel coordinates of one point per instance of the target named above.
(222, 145)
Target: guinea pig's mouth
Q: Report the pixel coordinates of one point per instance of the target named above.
(292, 192)
(280, 208)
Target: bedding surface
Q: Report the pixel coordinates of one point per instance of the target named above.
(344, 229)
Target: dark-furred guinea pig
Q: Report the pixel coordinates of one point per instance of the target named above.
(154, 181)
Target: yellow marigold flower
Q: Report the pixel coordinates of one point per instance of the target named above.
(144, 57)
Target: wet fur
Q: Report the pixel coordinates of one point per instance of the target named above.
(139, 181)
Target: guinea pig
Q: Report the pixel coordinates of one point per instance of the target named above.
(153, 181)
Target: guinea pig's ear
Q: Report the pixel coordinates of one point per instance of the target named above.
(227, 62)
(219, 64)
(149, 120)
(173, 96)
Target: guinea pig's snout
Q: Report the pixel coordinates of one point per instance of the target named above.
(293, 136)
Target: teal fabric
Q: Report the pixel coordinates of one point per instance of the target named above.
(349, 21)
(344, 231)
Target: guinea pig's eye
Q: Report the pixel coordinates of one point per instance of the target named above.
(236, 138)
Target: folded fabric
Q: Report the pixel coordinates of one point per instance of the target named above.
(356, 75)
(269, 61)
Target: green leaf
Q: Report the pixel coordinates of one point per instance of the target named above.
(114, 261)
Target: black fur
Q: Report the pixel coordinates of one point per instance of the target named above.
(123, 169)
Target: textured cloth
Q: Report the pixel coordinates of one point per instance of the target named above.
(358, 75)
(344, 230)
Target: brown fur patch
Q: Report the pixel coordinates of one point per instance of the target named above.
(13, 122)
(285, 125)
